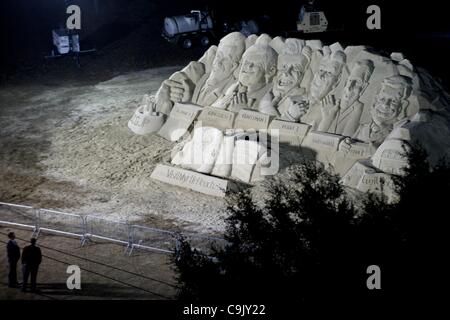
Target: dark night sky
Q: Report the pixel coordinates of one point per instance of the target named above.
(26, 24)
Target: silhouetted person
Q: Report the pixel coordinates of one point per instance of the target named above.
(31, 259)
(13, 257)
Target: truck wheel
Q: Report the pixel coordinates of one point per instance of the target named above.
(204, 41)
(186, 43)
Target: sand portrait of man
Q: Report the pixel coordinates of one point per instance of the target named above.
(254, 80)
(343, 117)
(292, 65)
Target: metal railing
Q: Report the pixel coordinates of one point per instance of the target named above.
(68, 224)
(106, 229)
(88, 227)
(153, 239)
(24, 216)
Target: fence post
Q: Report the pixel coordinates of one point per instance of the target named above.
(37, 222)
(84, 228)
(130, 239)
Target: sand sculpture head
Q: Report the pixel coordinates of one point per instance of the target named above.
(228, 56)
(292, 64)
(327, 76)
(357, 82)
(258, 66)
(391, 101)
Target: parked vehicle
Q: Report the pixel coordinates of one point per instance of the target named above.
(198, 27)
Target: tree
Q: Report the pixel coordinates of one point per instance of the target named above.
(307, 242)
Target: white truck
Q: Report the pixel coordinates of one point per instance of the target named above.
(199, 27)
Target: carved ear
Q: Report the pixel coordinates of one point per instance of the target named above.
(403, 112)
(270, 74)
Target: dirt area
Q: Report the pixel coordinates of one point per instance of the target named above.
(106, 271)
(68, 147)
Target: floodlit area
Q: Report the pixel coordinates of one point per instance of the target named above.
(200, 155)
(69, 148)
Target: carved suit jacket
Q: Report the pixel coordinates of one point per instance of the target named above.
(347, 122)
(367, 133)
(205, 95)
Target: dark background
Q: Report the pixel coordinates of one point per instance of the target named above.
(127, 32)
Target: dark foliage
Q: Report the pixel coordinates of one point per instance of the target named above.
(308, 243)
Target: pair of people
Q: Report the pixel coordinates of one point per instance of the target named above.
(31, 259)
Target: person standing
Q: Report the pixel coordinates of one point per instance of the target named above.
(31, 259)
(13, 251)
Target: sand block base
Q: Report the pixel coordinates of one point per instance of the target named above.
(192, 180)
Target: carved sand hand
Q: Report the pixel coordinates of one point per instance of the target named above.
(239, 101)
(149, 104)
(297, 108)
(180, 90)
(329, 106)
(345, 145)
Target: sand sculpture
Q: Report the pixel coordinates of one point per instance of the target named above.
(352, 109)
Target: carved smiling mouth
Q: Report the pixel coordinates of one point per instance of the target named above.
(385, 114)
(283, 83)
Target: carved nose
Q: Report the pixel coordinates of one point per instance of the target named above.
(248, 66)
(386, 104)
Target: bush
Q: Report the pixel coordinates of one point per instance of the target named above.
(308, 243)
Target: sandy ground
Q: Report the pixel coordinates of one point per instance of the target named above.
(68, 147)
(106, 272)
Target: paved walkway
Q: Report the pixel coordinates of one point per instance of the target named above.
(106, 271)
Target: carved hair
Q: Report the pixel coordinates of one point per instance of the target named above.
(338, 56)
(292, 47)
(399, 82)
(263, 40)
(267, 54)
(368, 68)
(236, 40)
(296, 48)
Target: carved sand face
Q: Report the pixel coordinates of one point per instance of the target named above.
(387, 105)
(223, 65)
(252, 73)
(353, 87)
(325, 79)
(289, 75)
